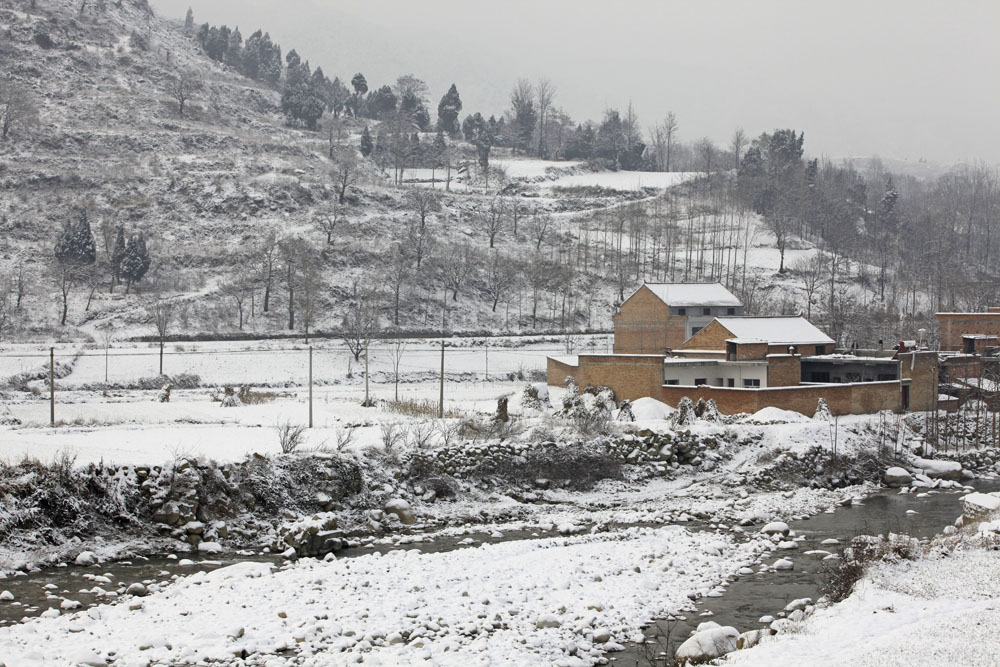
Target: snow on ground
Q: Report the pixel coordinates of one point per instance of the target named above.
(515, 603)
(940, 610)
(531, 169)
(622, 180)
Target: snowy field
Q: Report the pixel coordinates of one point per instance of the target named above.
(940, 610)
(125, 425)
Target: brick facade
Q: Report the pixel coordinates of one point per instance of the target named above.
(712, 337)
(631, 376)
(921, 369)
(784, 370)
(644, 325)
(953, 325)
(843, 399)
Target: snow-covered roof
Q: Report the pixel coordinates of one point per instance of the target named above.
(693, 294)
(776, 330)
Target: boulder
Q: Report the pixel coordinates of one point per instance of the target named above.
(775, 527)
(939, 469)
(897, 477)
(401, 509)
(707, 645)
(136, 589)
(86, 558)
(980, 506)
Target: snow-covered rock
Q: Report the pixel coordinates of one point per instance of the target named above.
(980, 506)
(896, 477)
(401, 509)
(86, 558)
(774, 528)
(939, 469)
(707, 645)
(650, 409)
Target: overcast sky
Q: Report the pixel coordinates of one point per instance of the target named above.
(906, 79)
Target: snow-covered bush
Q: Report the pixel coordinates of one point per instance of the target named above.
(711, 412)
(290, 436)
(822, 410)
(685, 415)
(625, 411)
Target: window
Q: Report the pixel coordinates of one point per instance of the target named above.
(732, 382)
(821, 349)
(730, 311)
(671, 382)
(819, 376)
(719, 382)
(706, 311)
(698, 381)
(751, 384)
(695, 330)
(682, 311)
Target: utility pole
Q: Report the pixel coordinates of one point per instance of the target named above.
(487, 361)
(310, 386)
(52, 386)
(444, 309)
(367, 403)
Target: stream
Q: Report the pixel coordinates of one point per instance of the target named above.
(750, 597)
(746, 600)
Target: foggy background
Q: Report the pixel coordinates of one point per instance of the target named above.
(913, 80)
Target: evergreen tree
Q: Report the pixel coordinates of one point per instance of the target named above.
(360, 84)
(439, 147)
(381, 103)
(367, 146)
(75, 246)
(448, 110)
(234, 50)
(189, 21)
(135, 261)
(413, 107)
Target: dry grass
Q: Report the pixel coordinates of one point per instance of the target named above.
(419, 408)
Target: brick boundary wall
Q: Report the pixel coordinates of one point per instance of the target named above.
(844, 399)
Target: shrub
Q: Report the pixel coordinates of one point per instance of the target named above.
(840, 579)
(290, 436)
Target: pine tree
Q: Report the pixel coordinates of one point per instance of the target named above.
(448, 110)
(367, 145)
(135, 262)
(189, 21)
(360, 84)
(76, 246)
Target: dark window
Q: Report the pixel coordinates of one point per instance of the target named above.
(730, 311)
(885, 377)
(819, 376)
(695, 330)
(706, 311)
(672, 382)
(732, 382)
(701, 381)
(821, 349)
(751, 383)
(682, 311)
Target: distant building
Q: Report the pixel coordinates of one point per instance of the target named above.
(661, 316)
(692, 340)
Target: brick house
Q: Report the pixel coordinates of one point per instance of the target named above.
(661, 316)
(743, 363)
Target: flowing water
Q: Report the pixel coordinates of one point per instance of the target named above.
(746, 599)
(752, 596)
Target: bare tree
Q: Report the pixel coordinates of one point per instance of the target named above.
(161, 316)
(397, 272)
(396, 350)
(706, 153)
(360, 324)
(670, 137)
(498, 278)
(538, 226)
(455, 269)
(545, 92)
(239, 289)
(267, 254)
(345, 174)
(420, 241)
(17, 107)
(335, 134)
(300, 273)
(737, 145)
(6, 312)
(182, 86)
(329, 222)
(491, 218)
(423, 202)
(812, 271)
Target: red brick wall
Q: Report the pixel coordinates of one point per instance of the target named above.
(712, 337)
(784, 370)
(645, 326)
(953, 325)
(750, 351)
(631, 376)
(843, 399)
(556, 372)
(921, 368)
